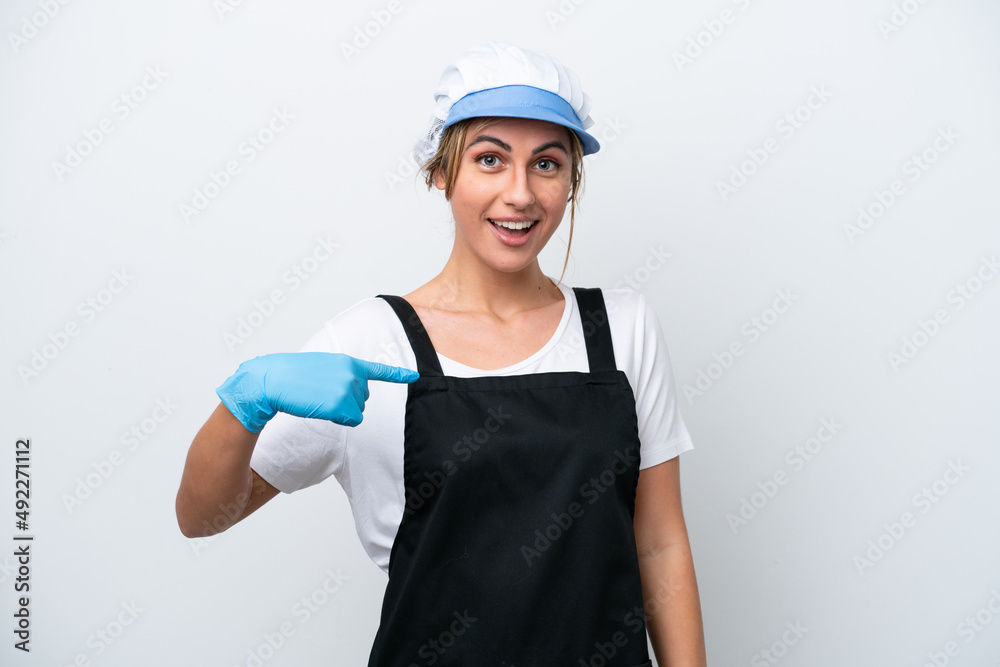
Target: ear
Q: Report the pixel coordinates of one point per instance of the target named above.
(439, 179)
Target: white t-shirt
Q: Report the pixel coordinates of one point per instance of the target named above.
(293, 453)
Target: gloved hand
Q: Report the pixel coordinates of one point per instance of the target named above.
(323, 385)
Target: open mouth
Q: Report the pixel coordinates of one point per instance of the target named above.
(513, 229)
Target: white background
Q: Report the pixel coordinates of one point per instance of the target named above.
(674, 130)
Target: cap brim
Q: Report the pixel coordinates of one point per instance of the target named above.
(522, 102)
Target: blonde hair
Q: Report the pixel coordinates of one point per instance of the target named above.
(449, 156)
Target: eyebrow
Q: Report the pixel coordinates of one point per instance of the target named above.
(504, 145)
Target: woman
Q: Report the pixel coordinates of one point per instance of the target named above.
(499, 484)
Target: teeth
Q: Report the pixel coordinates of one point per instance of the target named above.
(513, 225)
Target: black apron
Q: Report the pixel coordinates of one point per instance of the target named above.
(516, 547)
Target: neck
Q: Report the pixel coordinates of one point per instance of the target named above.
(467, 284)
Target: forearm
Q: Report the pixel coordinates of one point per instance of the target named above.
(217, 480)
(672, 606)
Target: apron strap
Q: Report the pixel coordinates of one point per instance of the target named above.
(596, 330)
(427, 360)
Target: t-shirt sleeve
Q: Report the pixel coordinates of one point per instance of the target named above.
(661, 428)
(293, 453)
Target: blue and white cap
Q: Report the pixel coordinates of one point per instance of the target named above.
(500, 79)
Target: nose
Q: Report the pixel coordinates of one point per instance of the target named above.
(517, 191)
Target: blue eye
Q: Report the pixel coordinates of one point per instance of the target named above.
(552, 164)
(489, 160)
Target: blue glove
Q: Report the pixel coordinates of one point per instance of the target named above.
(321, 385)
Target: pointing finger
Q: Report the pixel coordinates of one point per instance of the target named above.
(376, 371)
